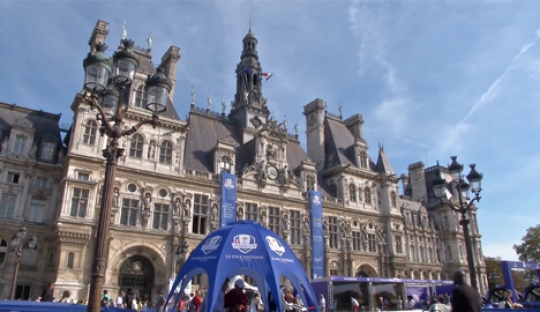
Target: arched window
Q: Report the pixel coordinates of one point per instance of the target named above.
(140, 97)
(136, 145)
(310, 183)
(333, 190)
(165, 152)
(363, 159)
(352, 192)
(70, 260)
(90, 129)
(393, 199)
(367, 195)
(225, 164)
(3, 251)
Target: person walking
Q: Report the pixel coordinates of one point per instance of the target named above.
(322, 304)
(464, 297)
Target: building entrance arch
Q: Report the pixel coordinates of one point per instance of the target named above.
(137, 273)
(366, 271)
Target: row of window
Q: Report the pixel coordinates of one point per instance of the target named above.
(8, 205)
(46, 153)
(136, 143)
(15, 178)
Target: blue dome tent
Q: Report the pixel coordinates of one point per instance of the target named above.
(245, 248)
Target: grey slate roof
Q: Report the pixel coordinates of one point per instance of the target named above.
(202, 138)
(44, 124)
(206, 129)
(339, 144)
(383, 164)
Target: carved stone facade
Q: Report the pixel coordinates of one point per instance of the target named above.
(167, 192)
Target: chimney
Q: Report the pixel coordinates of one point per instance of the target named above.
(354, 124)
(100, 32)
(315, 132)
(169, 61)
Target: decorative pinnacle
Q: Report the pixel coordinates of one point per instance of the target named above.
(101, 47)
(128, 43)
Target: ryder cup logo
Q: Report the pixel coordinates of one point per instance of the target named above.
(244, 243)
(211, 244)
(229, 184)
(275, 245)
(316, 200)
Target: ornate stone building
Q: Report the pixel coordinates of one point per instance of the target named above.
(167, 189)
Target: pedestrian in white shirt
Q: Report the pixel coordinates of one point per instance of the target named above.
(322, 304)
(120, 300)
(256, 304)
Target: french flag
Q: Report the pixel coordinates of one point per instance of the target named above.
(267, 76)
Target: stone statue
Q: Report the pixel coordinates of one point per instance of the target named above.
(340, 110)
(209, 103)
(214, 214)
(146, 201)
(61, 155)
(284, 175)
(325, 105)
(263, 218)
(284, 123)
(152, 150)
(363, 231)
(240, 214)
(246, 95)
(264, 102)
(223, 106)
(149, 41)
(33, 151)
(261, 172)
(177, 207)
(306, 228)
(116, 198)
(271, 151)
(342, 230)
(5, 145)
(124, 31)
(348, 230)
(193, 96)
(325, 227)
(286, 223)
(187, 209)
(296, 129)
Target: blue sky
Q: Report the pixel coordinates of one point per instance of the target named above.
(432, 78)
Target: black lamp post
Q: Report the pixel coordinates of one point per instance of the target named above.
(105, 88)
(493, 275)
(462, 187)
(18, 246)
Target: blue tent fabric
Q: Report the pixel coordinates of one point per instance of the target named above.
(33, 306)
(244, 248)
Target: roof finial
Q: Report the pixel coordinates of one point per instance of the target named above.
(250, 22)
(124, 31)
(223, 105)
(193, 96)
(149, 41)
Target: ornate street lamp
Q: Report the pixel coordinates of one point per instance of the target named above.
(110, 104)
(18, 246)
(97, 68)
(465, 203)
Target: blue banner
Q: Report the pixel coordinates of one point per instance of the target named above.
(228, 198)
(317, 242)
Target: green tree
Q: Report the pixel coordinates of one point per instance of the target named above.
(529, 249)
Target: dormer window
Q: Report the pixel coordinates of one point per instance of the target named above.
(310, 181)
(140, 97)
(47, 151)
(90, 129)
(225, 164)
(333, 190)
(363, 159)
(83, 176)
(20, 143)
